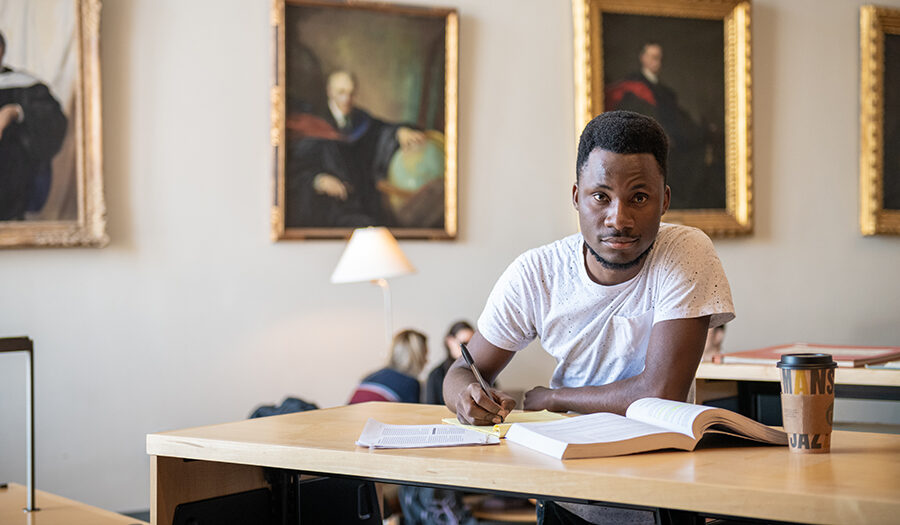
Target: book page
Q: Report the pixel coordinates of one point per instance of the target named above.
(602, 427)
(671, 415)
(728, 422)
(517, 416)
(380, 435)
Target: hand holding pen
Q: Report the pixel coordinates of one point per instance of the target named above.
(471, 362)
(499, 405)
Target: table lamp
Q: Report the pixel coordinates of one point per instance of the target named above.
(24, 344)
(372, 254)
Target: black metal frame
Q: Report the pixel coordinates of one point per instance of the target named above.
(662, 516)
(24, 344)
(761, 400)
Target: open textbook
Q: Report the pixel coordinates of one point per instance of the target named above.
(516, 416)
(648, 424)
(381, 435)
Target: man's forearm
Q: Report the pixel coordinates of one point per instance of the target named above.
(673, 354)
(614, 397)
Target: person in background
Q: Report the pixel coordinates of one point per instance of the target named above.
(714, 339)
(459, 332)
(399, 380)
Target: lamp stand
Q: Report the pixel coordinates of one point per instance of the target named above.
(388, 321)
(24, 344)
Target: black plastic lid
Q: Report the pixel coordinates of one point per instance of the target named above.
(806, 361)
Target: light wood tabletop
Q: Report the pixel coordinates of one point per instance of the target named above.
(858, 482)
(752, 372)
(54, 510)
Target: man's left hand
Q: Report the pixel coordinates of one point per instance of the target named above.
(539, 398)
(410, 138)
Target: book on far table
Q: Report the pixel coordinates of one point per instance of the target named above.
(889, 365)
(844, 356)
(648, 424)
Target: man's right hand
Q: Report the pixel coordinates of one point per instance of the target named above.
(464, 396)
(475, 407)
(328, 184)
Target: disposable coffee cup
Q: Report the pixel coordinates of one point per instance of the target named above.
(807, 401)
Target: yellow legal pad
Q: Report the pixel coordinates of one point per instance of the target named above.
(517, 416)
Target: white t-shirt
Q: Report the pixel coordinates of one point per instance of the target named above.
(599, 334)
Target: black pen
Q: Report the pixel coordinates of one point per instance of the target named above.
(468, 357)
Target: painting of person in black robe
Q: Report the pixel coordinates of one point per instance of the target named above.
(696, 150)
(32, 129)
(338, 161)
(891, 147)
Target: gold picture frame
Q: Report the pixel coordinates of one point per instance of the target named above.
(71, 209)
(879, 127)
(328, 180)
(723, 143)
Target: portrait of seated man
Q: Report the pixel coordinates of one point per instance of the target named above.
(32, 129)
(348, 168)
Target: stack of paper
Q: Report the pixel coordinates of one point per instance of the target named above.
(380, 435)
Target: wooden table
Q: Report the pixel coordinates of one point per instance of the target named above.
(748, 381)
(769, 373)
(859, 482)
(54, 510)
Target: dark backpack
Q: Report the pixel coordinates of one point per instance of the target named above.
(430, 506)
(288, 406)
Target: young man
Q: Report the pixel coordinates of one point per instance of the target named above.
(624, 306)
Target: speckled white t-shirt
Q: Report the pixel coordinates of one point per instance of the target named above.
(599, 334)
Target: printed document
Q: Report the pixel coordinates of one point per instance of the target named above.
(380, 435)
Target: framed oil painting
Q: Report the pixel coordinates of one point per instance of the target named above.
(687, 64)
(879, 163)
(51, 185)
(364, 119)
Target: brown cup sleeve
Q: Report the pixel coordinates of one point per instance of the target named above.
(807, 414)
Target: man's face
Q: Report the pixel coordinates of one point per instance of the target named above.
(340, 91)
(620, 199)
(651, 58)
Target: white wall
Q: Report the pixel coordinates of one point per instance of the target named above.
(192, 316)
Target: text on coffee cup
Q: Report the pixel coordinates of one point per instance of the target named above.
(809, 382)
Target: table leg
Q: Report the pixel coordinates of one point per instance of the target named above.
(174, 481)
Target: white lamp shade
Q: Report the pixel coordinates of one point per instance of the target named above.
(372, 253)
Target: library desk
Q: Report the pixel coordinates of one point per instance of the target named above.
(859, 482)
(54, 510)
(747, 382)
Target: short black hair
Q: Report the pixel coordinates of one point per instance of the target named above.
(2, 42)
(623, 132)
